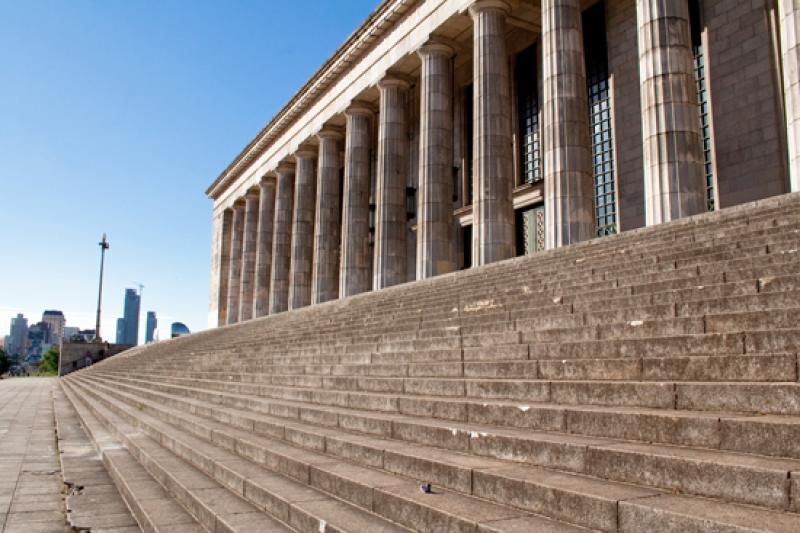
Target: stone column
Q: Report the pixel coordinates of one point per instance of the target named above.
(390, 209)
(248, 283)
(789, 13)
(569, 207)
(282, 240)
(266, 219)
(220, 268)
(354, 270)
(235, 270)
(435, 192)
(305, 191)
(493, 180)
(674, 183)
(327, 227)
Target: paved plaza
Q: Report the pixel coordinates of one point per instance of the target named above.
(30, 474)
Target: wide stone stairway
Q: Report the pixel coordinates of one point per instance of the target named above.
(646, 381)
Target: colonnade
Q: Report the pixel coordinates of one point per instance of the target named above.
(296, 240)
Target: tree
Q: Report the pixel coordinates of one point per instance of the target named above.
(5, 362)
(49, 366)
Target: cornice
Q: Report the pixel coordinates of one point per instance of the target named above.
(375, 26)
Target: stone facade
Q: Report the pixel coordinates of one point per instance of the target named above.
(414, 143)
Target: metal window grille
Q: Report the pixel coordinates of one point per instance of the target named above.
(600, 125)
(528, 114)
(702, 101)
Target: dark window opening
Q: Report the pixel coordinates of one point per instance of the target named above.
(466, 236)
(411, 203)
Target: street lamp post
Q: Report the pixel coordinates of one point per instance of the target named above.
(103, 247)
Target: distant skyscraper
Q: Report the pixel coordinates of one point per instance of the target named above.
(120, 331)
(18, 335)
(150, 326)
(179, 329)
(56, 321)
(128, 326)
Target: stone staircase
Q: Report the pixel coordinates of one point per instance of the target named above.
(642, 382)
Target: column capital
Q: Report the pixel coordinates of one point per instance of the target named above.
(394, 80)
(306, 150)
(330, 132)
(359, 107)
(482, 5)
(267, 179)
(436, 47)
(238, 204)
(286, 166)
(252, 193)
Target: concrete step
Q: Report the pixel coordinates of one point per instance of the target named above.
(92, 500)
(622, 461)
(689, 428)
(239, 483)
(153, 507)
(592, 456)
(384, 393)
(397, 498)
(642, 382)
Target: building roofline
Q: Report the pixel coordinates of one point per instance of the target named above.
(330, 72)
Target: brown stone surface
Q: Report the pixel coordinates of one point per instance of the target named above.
(355, 257)
(266, 218)
(493, 178)
(674, 181)
(235, 268)
(327, 219)
(390, 194)
(434, 209)
(567, 155)
(305, 188)
(249, 253)
(282, 241)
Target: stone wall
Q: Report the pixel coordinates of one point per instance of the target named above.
(76, 355)
(746, 100)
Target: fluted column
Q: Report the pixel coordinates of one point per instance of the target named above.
(250, 231)
(305, 191)
(282, 240)
(674, 183)
(221, 263)
(789, 13)
(390, 211)
(266, 220)
(327, 221)
(235, 270)
(569, 215)
(354, 272)
(435, 192)
(493, 178)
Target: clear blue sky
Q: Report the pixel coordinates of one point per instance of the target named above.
(114, 117)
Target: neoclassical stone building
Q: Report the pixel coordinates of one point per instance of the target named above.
(445, 134)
